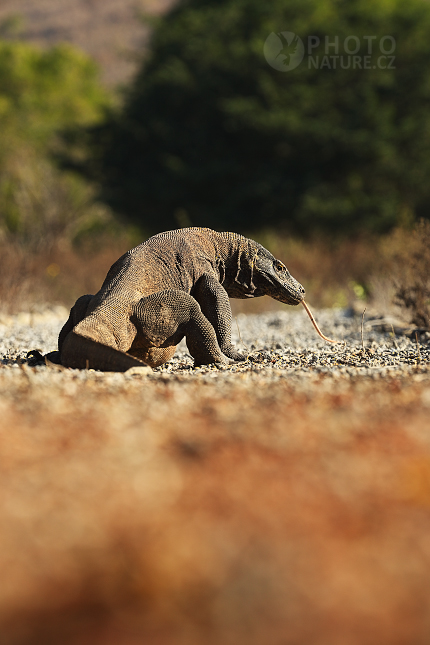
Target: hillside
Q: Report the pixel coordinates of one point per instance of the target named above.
(108, 30)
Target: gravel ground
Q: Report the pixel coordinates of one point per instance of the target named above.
(279, 344)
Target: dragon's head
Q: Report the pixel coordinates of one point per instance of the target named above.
(259, 273)
(272, 278)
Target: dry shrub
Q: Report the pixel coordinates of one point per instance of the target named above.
(412, 273)
(185, 512)
(31, 279)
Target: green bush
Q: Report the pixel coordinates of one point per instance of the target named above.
(42, 93)
(210, 134)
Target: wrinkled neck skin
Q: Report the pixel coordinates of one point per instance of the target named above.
(248, 270)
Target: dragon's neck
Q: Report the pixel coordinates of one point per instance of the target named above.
(235, 256)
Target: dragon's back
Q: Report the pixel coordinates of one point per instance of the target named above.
(169, 260)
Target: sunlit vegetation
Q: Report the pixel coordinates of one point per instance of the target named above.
(43, 94)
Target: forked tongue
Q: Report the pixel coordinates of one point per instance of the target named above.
(308, 311)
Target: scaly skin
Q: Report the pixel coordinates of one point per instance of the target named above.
(176, 284)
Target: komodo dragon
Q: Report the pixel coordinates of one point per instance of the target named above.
(176, 284)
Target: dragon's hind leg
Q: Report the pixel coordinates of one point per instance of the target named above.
(163, 319)
(148, 336)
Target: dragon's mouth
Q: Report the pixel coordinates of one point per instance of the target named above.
(290, 298)
(286, 290)
(295, 296)
(298, 297)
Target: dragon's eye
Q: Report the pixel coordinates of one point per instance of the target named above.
(279, 267)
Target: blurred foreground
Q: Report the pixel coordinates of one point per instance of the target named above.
(199, 510)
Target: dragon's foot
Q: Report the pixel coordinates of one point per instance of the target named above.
(223, 361)
(231, 352)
